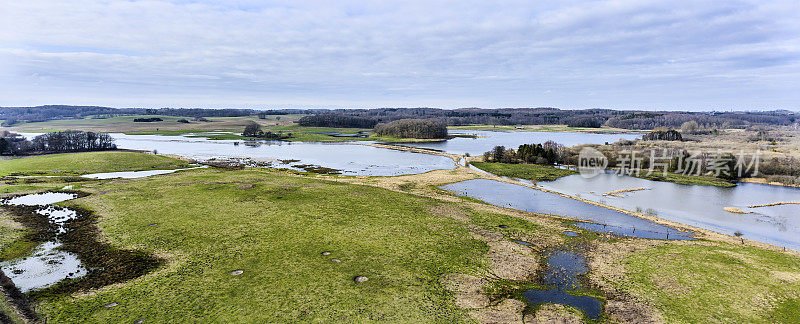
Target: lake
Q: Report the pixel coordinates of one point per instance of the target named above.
(488, 139)
(350, 158)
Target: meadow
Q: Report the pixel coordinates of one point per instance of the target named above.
(300, 239)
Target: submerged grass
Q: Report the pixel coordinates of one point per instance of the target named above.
(533, 172)
(91, 162)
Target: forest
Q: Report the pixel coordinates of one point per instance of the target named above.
(57, 142)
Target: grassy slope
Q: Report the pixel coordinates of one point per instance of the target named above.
(71, 163)
(726, 283)
(125, 124)
(524, 171)
(11, 246)
(386, 236)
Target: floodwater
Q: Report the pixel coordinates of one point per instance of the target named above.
(351, 159)
(40, 199)
(133, 174)
(531, 200)
(487, 140)
(700, 206)
(48, 264)
(563, 269)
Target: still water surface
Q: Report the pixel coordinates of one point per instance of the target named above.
(700, 206)
(528, 199)
(351, 159)
(488, 139)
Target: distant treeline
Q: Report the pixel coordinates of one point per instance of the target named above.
(337, 120)
(58, 142)
(362, 118)
(413, 128)
(14, 115)
(368, 118)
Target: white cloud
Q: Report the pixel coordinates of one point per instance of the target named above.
(626, 54)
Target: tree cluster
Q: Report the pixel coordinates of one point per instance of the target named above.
(663, 135)
(547, 153)
(413, 128)
(337, 120)
(57, 142)
(253, 129)
(147, 120)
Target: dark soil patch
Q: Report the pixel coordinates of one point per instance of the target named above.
(106, 264)
(17, 299)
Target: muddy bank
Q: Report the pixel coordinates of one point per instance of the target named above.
(17, 300)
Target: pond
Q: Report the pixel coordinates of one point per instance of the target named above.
(486, 140)
(48, 264)
(133, 174)
(700, 206)
(531, 200)
(350, 158)
(563, 268)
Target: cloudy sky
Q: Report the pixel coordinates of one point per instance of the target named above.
(629, 54)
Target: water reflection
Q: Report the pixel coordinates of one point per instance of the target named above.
(523, 198)
(563, 270)
(486, 140)
(48, 264)
(351, 159)
(700, 206)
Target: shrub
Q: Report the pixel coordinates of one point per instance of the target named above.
(659, 135)
(147, 120)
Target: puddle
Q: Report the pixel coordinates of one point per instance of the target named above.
(633, 232)
(40, 199)
(58, 216)
(570, 233)
(47, 265)
(592, 307)
(531, 200)
(133, 174)
(522, 242)
(563, 269)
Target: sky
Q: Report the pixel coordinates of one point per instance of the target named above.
(626, 54)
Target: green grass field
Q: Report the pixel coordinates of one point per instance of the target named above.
(206, 223)
(533, 172)
(92, 162)
(210, 223)
(718, 283)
